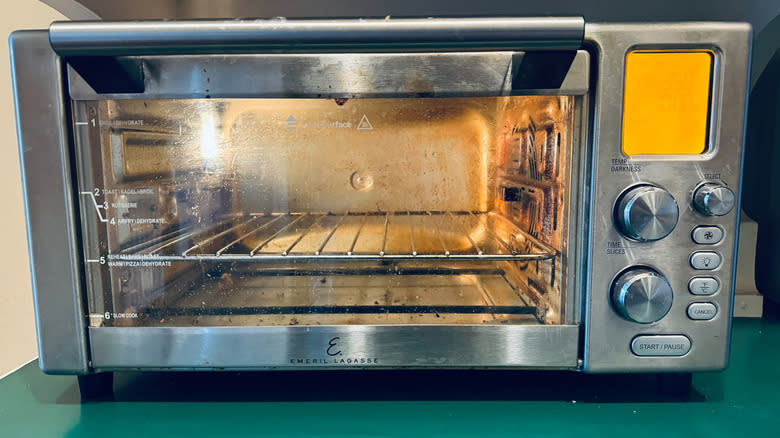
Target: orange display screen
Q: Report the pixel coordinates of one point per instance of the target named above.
(666, 102)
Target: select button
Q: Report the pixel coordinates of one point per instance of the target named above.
(661, 345)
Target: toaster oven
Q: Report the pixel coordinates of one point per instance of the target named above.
(382, 193)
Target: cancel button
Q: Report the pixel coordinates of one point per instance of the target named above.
(661, 345)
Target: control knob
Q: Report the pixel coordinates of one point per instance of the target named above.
(646, 213)
(713, 199)
(642, 295)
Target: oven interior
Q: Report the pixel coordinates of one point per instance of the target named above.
(251, 212)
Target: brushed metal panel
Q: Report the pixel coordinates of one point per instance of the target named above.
(607, 335)
(48, 196)
(333, 75)
(223, 348)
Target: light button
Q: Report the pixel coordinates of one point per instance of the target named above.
(702, 311)
(703, 285)
(705, 260)
(661, 345)
(707, 235)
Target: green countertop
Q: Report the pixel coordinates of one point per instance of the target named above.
(742, 401)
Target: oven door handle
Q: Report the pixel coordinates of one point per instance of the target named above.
(107, 38)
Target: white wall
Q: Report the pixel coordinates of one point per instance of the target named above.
(17, 324)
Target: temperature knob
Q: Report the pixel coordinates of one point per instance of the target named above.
(713, 199)
(646, 213)
(642, 295)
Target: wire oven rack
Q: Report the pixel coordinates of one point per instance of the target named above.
(425, 235)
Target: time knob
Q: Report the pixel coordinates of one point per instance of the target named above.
(642, 295)
(646, 213)
(713, 199)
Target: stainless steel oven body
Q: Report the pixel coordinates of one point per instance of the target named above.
(279, 194)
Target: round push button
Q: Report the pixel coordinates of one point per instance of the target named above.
(702, 311)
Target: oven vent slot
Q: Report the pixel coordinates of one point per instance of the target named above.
(107, 74)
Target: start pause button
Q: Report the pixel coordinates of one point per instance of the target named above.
(661, 345)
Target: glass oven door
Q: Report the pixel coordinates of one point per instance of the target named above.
(289, 213)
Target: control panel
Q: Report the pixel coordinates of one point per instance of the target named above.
(641, 294)
(664, 205)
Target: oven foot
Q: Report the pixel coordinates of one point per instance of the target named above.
(675, 384)
(99, 386)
